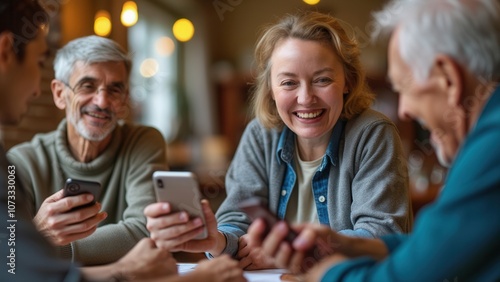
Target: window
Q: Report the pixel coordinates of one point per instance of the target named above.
(153, 85)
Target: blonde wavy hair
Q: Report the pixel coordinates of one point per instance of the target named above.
(313, 26)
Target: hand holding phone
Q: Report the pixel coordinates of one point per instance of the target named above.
(257, 208)
(181, 190)
(75, 187)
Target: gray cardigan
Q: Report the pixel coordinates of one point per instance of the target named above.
(368, 189)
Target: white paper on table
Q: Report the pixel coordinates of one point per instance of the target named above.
(265, 275)
(183, 268)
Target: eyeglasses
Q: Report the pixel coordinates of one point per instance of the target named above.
(116, 92)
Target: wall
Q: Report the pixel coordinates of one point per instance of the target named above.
(77, 19)
(235, 30)
(69, 19)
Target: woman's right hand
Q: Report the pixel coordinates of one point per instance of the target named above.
(175, 231)
(313, 242)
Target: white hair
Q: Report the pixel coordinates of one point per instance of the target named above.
(89, 50)
(466, 30)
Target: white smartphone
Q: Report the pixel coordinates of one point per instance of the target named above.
(181, 190)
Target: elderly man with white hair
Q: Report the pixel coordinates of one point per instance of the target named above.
(444, 62)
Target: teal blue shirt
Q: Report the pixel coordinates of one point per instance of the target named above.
(458, 237)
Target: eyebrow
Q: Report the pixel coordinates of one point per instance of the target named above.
(84, 79)
(327, 69)
(120, 85)
(285, 73)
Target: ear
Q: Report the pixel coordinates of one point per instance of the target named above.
(7, 54)
(451, 78)
(58, 93)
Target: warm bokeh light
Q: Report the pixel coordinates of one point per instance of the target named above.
(165, 46)
(102, 23)
(129, 14)
(311, 2)
(183, 30)
(149, 68)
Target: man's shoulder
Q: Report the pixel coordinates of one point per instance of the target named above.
(130, 129)
(138, 133)
(39, 141)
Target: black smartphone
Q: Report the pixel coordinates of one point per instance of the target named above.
(257, 208)
(75, 187)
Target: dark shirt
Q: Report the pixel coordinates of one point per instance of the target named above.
(25, 254)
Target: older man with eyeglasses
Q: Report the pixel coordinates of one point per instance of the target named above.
(91, 86)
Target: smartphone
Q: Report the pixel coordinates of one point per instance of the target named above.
(75, 187)
(256, 207)
(181, 190)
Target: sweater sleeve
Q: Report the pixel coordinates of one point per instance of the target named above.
(246, 177)
(393, 241)
(111, 241)
(380, 194)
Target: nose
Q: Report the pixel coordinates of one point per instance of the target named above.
(403, 111)
(102, 98)
(305, 95)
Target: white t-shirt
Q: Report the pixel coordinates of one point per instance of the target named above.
(302, 207)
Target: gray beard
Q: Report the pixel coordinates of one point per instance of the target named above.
(82, 131)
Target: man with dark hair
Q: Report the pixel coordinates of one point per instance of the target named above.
(24, 249)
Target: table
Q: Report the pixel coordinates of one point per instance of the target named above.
(266, 275)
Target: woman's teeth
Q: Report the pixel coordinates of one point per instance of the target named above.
(309, 115)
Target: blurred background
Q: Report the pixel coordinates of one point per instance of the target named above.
(192, 76)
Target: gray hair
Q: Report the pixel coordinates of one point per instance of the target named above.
(467, 30)
(89, 50)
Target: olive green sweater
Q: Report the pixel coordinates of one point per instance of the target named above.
(124, 169)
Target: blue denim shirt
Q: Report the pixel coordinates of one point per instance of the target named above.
(360, 187)
(285, 153)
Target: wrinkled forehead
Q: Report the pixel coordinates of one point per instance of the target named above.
(109, 70)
